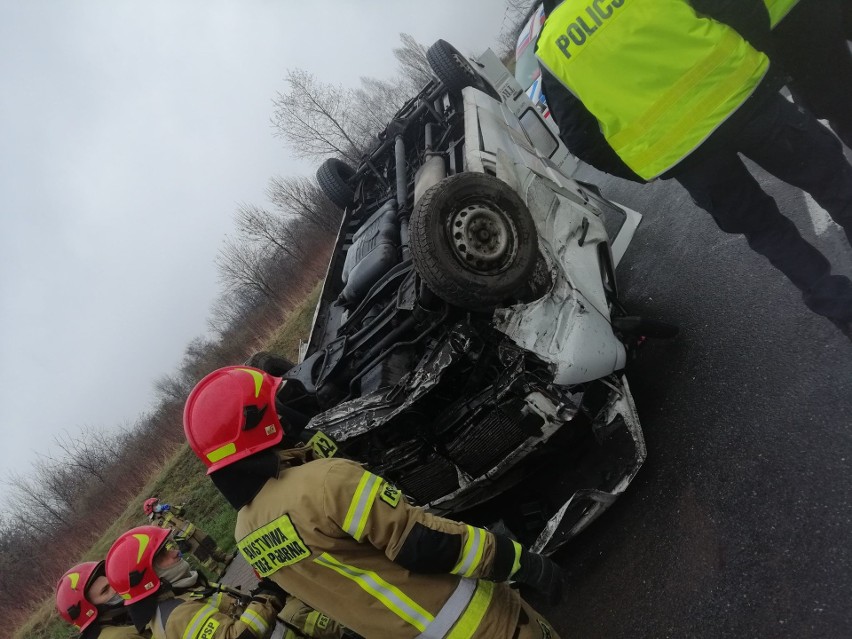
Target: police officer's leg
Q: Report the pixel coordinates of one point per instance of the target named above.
(800, 151)
(723, 187)
(810, 44)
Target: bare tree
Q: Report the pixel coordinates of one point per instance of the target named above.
(413, 64)
(316, 118)
(302, 197)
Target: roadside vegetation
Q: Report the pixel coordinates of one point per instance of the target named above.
(90, 487)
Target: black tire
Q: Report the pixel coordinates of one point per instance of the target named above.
(452, 68)
(333, 177)
(270, 363)
(473, 241)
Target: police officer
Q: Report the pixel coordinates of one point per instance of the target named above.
(645, 89)
(190, 537)
(85, 599)
(810, 42)
(346, 541)
(165, 595)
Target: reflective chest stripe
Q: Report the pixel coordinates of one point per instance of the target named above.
(273, 546)
(361, 505)
(471, 553)
(193, 628)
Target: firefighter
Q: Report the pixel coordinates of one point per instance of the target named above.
(165, 595)
(190, 537)
(85, 599)
(345, 541)
(645, 89)
(810, 42)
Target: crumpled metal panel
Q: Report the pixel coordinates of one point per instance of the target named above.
(620, 405)
(569, 326)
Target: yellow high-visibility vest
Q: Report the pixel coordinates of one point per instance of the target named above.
(659, 78)
(778, 9)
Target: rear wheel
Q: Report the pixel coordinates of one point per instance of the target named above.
(333, 177)
(453, 69)
(473, 241)
(270, 363)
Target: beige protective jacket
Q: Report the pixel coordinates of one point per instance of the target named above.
(119, 632)
(219, 616)
(329, 532)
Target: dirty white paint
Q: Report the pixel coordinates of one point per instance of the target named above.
(819, 216)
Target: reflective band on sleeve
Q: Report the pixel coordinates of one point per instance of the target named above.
(361, 505)
(255, 622)
(389, 595)
(472, 617)
(516, 566)
(471, 553)
(311, 623)
(187, 532)
(194, 625)
(452, 610)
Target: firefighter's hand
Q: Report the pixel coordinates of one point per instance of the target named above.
(541, 574)
(267, 588)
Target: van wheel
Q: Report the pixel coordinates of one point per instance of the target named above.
(453, 69)
(270, 363)
(333, 177)
(473, 241)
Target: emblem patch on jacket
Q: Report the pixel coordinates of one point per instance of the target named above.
(208, 631)
(322, 445)
(390, 495)
(273, 546)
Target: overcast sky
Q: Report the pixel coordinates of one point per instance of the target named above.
(129, 133)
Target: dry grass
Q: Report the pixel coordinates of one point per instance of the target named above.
(181, 480)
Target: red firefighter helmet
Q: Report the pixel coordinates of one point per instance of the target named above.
(230, 414)
(130, 562)
(71, 601)
(148, 506)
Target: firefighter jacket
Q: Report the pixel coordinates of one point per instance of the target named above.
(218, 616)
(183, 528)
(303, 621)
(618, 111)
(778, 10)
(114, 632)
(345, 542)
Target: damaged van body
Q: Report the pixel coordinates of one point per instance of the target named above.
(469, 339)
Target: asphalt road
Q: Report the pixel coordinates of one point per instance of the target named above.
(740, 522)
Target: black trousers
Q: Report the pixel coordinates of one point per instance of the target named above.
(792, 146)
(810, 44)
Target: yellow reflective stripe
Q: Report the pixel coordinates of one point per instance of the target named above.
(472, 617)
(389, 595)
(255, 622)
(361, 505)
(641, 162)
(311, 623)
(516, 565)
(471, 553)
(257, 377)
(223, 451)
(195, 623)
